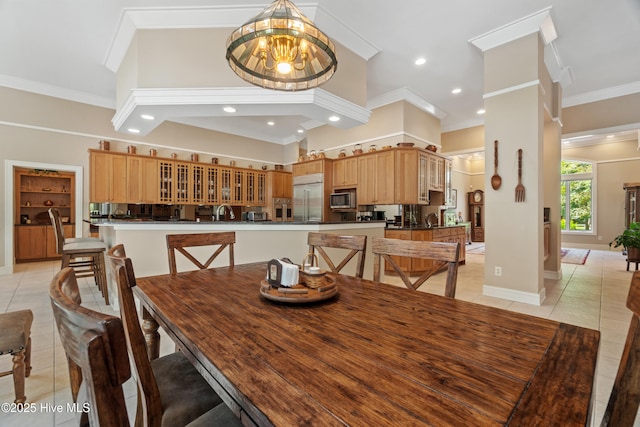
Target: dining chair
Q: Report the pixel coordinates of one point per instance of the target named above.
(92, 342)
(15, 339)
(86, 257)
(170, 389)
(354, 244)
(443, 254)
(178, 242)
(625, 396)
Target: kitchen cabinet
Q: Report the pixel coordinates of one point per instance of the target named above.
(196, 184)
(631, 207)
(255, 188)
(37, 242)
(280, 184)
(142, 179)
(30, 242)
(311, 166)
(448, 174)
(165, 181)
(212, 186)
(415, 266)
(345, 172)
(227, 189)
(436, 173)
(108, 177)
(376, 178)
(412, 178)
(131, 178)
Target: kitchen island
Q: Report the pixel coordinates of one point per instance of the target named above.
(145, 242)
(415, 266)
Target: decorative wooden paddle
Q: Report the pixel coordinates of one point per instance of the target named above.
(496, 180)
(520, 187)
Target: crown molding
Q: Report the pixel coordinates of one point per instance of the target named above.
(55, 91)
(536, 22)
(601, 95)
(405, 94)
(175, 104)
(133, 19)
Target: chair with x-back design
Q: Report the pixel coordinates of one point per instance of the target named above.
(178, 242)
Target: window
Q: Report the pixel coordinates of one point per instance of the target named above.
(576, 196)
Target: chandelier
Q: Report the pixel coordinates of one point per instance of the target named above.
(281, 49)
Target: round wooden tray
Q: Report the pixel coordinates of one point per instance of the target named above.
(296, 294)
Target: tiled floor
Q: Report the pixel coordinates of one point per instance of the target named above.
(591, 295)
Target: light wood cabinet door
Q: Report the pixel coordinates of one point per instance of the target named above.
(345, 173)
(213, 185)
(142, 180)
(385, 178)
(376, 180)
(281, 184)
(30, 242)
(407, 179)
(108, 177)
(436, 173)
(366, 185)
(255, 188)
(197, 184)
(308, 167)
(165, 181)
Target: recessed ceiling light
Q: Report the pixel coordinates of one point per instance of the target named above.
(334, 119)
(133, 130)
(271, 123)
(420, 61)
(610, 136)
(481, 111)
(300, 130)
(147, 116)
(229, 109)
(456, 91)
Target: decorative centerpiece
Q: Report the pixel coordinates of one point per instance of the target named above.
(288, 282)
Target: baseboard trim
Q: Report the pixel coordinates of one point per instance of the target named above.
(553, 275)
(513, 295)
(6, 269)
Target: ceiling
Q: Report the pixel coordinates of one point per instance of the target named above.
(62, 49)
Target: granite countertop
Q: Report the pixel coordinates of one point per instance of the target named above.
(141, 221)
(423, 227)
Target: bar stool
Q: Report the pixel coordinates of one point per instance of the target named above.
(85, 256)
(15, 339)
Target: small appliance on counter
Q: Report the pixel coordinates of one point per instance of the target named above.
(254, 216)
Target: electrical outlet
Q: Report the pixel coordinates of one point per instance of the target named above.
(599, 237)
(498, 271)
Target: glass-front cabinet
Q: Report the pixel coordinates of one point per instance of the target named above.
(631, 208)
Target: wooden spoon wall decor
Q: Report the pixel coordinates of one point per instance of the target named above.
(496, 180)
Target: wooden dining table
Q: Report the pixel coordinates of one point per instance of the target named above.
(372, 355)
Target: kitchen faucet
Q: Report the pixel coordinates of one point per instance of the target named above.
(221, 209)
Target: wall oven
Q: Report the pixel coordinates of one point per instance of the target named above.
(282, 210)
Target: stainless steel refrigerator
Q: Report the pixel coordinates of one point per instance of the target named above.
(308, 197)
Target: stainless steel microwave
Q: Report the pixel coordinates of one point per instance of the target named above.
(343, 200)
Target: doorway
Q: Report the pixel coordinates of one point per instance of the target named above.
(10, 197)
